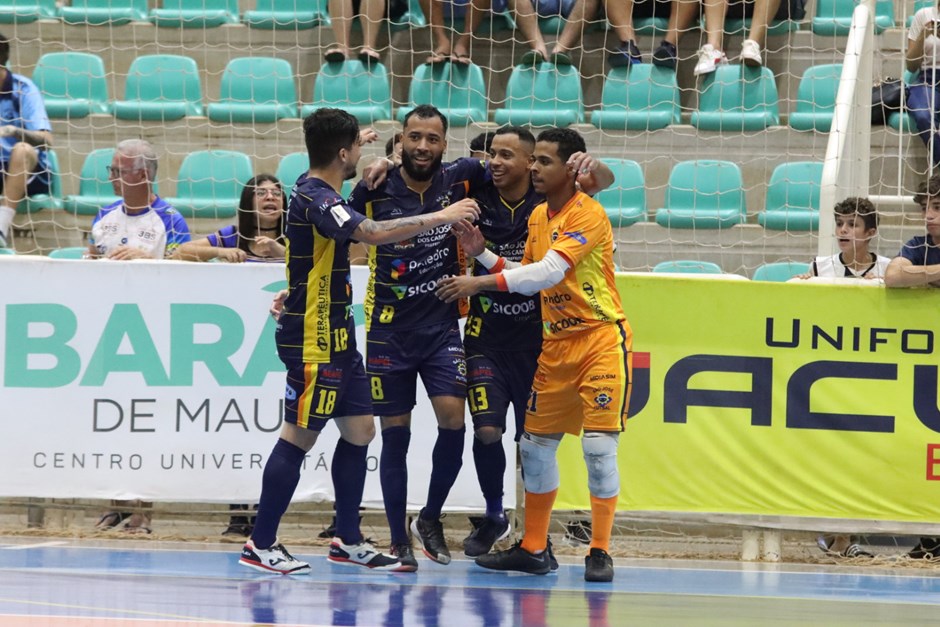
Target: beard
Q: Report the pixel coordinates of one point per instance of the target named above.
(414, 172)
(351, 171)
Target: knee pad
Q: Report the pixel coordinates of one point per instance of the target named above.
(600, 455)
(539, 463)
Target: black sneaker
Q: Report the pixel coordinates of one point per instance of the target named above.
(666, 55)
(238, 529)
(551, 555)
(517, 559)
(625, 55)
(926, 549)
(430, 534)
(405, 555)
(598, 566)
(484, 535)
(578, 532)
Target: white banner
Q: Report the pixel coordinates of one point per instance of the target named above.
(161, 381)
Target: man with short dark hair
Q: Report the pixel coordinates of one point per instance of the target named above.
(316, 341)
(918, 263)
(25, 135)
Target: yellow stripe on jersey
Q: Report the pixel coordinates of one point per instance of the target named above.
(306, 397)
(317, 329)
(369, 303)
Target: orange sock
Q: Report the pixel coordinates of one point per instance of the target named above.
(538, 515)
(602, 521)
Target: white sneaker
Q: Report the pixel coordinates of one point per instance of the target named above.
(708, 60)
(751, 53)
(362, 554)
(273, 560)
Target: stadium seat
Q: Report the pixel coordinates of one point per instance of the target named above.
(94, 188)
(410, 19)
(160, 87)
(287, 15)
(625, 200)
(195, 13)
(737, 98)
(896, 119)
(73, 84)
(360, 90)
(20, 12)
(703, 194)
(210, 183)
(542, 95)
(255, 90)
(780, 271)
(793, 197)
(52, 200)
(655, 26)
(457, 89)
(641, 98)
(834, 17)
(101, 12)
(7, 251)
(455, 13)
(687, 266)
(291, 167)
(70, 252)
(816, 98)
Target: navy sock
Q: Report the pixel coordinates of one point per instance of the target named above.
(490, 462)
(446, 461)
(393, 473)
(281, 474)
(349, 479)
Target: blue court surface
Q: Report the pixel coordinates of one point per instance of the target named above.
(74, 582)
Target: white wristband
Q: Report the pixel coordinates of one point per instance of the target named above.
(488, 258)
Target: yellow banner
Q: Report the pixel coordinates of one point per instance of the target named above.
(788, 399)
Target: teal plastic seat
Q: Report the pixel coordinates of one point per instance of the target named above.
(73, 84)
(737, 98)
(161, 87)
(255, 90)
(643, 97)
(210, 184)
(793, 197)
(94, 188)
(625, 200)
(688, 266)
(542, 95)
(361, 91)
(896, 120)
(102, 12)
(410, 19)
(7, 251)
(195, 13)
(703, 194)
(816, 98)
(291, 167)
(780, 271)
(834, 17)
(287, 15)
(69, 252)
(457, 89)
(52, 200)
(24, 12)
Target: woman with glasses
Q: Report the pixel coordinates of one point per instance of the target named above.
(259, 234)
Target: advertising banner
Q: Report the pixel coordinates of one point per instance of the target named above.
(788, 399)
(161, 381)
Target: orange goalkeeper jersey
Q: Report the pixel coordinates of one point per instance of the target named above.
(587, 297)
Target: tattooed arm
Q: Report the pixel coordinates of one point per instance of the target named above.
(388, 231)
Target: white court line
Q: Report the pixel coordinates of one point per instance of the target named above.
(20, 547)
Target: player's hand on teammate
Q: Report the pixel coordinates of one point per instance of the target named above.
(452, 288)
(584, 166)
(277, 305)
(469, 237)
(376, 172)
(463, 209)
(231, 255)
(367, 136)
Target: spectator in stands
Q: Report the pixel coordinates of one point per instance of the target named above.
(259, 235)
(371, 15)
(923, 57)
(856, 225)
(139, 225)
(711, 54)
(480, 146)
(918, 263)
(25, 135)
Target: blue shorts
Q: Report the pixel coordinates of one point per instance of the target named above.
(495, 380)
(394, 359)
(317, 392)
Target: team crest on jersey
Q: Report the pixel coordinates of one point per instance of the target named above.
(290, 393)
(399, 268)
(322, 344)
(602, 400)
(461, 367)
(400, 290)
(486, 303)
(554, 236)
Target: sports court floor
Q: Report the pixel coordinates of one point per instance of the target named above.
(79, 583)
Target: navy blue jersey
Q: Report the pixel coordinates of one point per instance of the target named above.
(404, 275)
(317, 327)
(502, 320)
(921, 251)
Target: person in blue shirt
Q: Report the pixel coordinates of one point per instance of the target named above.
(25, 135)
(918, 263)
(139, 225)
